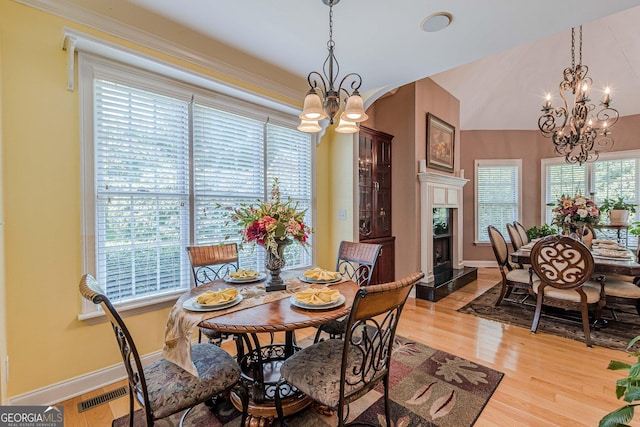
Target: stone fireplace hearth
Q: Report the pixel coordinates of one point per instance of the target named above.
(439, 191)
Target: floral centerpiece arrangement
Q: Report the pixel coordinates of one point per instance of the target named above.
(273, 224)
(577, 211)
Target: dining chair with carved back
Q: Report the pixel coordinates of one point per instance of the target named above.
(565, 266)
(163, 388)
(512, 278)
(209, 263)
(524, 237)
(356, 261)
(337, 372)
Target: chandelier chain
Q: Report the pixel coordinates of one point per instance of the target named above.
(330, 43)
(573, 48)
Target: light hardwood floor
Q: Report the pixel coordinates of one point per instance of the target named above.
(549, 381)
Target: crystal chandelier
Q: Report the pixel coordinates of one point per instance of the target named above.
(327, 103)
(577, 133)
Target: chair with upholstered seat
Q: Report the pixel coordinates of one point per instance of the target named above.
(210, 263)
(336, 372)
(524, 237)
(514, 236)
(522, 279)
(621, 291)
(565, 266)
(356, 261)
(163, 388)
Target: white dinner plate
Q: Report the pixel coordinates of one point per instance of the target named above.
(306, 306)
(257, 278)
(313, 281)
(611, 258)
(610, 253)
(192, 305)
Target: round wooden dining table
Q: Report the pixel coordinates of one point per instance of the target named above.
(260, 363)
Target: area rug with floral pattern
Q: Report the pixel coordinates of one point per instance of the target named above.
(615, 334)
(428, 388)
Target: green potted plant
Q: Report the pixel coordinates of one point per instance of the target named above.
(542, 231)
(627, 388)
(634, 228)
(618, 210)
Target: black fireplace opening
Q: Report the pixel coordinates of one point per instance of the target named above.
(442, 245)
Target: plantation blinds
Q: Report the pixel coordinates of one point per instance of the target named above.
(167, 169)
(613, 175)
(497, 195)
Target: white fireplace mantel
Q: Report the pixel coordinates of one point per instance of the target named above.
(439, 191)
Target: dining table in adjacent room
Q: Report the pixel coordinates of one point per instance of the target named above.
(624, 265)
(256, 312)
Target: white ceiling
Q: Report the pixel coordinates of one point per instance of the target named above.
(498, 57)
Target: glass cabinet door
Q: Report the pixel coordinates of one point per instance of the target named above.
(365, 187)
(382, 187)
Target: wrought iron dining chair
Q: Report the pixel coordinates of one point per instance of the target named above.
(163, 388)
(524, 237)
(336, 372)
(565, 266)
(210, 263)
(356, 261)
(512, 278)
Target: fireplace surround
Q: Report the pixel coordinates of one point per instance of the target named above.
(438, 191)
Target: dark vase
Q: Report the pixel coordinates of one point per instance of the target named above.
(274, 263)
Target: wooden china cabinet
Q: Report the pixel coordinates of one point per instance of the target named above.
(374, 199)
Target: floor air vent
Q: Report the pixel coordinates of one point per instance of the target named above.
(103, 398)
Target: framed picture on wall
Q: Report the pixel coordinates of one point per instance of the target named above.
(440, 140)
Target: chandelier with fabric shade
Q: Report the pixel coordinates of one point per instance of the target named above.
(577, 133)
(324, 100)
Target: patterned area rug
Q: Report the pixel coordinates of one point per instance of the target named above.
(616, 334)
(428, 388)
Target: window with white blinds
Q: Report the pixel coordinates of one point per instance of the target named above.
(498, 195)
(563, 178)
(614, 175)
(165, 169)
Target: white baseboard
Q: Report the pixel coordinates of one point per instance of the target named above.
(64, 390)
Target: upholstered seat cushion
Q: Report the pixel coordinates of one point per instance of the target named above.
(621, 289)
(172, 389)
(591, 290)
(315, 371)
(520, 275)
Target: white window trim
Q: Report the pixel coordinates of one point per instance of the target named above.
(613, 155)
(157, 74)
(493, 162)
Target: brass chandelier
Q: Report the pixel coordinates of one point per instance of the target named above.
(327, 103)
(577, 133)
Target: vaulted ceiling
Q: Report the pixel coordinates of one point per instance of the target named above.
(498, 57)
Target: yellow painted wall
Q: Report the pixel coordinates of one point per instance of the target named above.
(41, 189)
(3, 300)
(336, 151)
